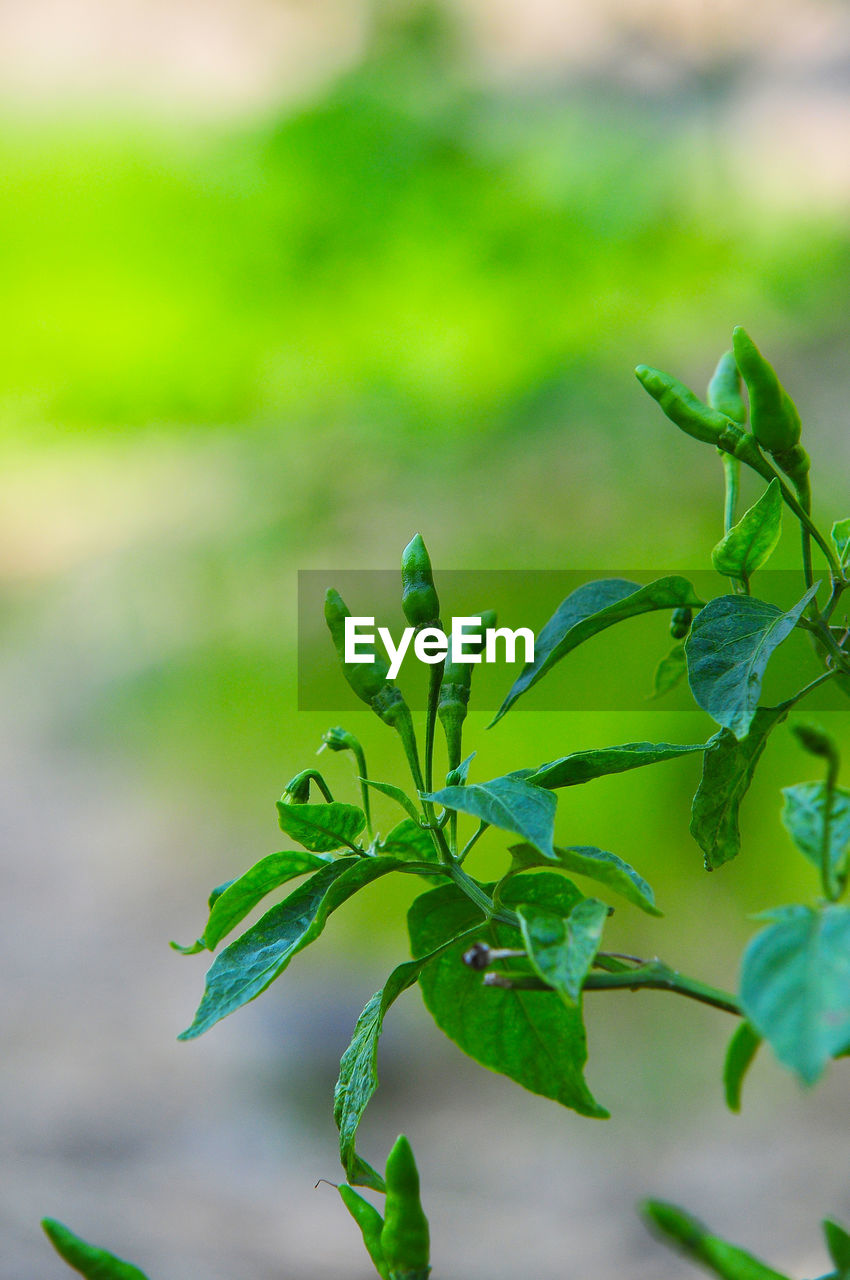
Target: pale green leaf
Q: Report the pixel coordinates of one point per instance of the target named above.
(321, 827)
(670, 671)
(250, 964)
(561, 947)
(730, 644)
(803, 818)
(750, 543)
(727, 771)
(795, 987)
(510, 803)
(530, 1036)
(597, 864)
(588, 610)
(583, 766)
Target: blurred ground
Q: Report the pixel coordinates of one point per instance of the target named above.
(280, 285)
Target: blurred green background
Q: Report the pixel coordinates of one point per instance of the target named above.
(280, 285)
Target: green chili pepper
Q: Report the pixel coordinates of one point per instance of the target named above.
(418, 594)
(405, 1237)
(702, 422)
(773, 414)
(369, 681)
(724, 389)
(454, 693)
(91, 1262)
(370, 1223)
(689, 413)
(680, 622)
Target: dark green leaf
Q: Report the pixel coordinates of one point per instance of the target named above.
(583, 766)
(838, 1244)
(795, 987)
(395, 793)
(750, 543)
(411, 842)
(741, 1050)
(599, 865)
(358, 1074)
(321, 827)
(695, 1241)
(561, 947)
(727, 771)
(803, 818)
(250, 964)
(669, 671)
(588, 610)
(232, 902)
(840, 534)
(91, 1262)
(530, 1036)
(731, 642)
(509, 803)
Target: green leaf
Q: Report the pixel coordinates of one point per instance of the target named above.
(838, 1244)
(730, 645)
(370, 1223)
(597, 864)
(840, 534)
(529, 1036)
(561, 947)
(751, 542)
(669, 671)
(795, 987)
(231, 903)
(358, 1073)
(250, 964)
(395, 793)
(509, 803)
(727, 771)
(583, 766)
(91, 1262)
(741, 1050)
(321, 827)
(693, 1238)
(588, 610)
(803, 819)
(410, 842)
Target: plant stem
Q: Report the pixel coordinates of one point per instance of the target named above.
(653, 975)
(360, 757)
(435, 679)
(472, 839)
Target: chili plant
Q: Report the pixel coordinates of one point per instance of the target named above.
(496, 959)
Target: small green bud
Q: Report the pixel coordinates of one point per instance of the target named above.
(773, 415)
(680, 622)
(815, 740)
(418, 594)
(297, 791)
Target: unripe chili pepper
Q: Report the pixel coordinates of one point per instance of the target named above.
(454, 693)
(405, 1237)
(680, 622)
(724, 389)
(370, 1223)
(418, 594)
(684, 408)
(369, 681)
(773, 415)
